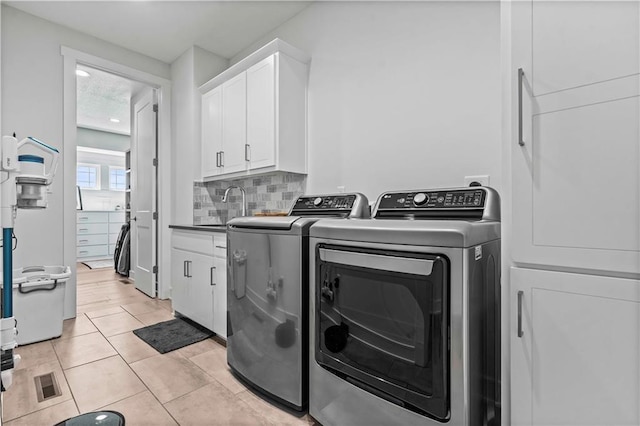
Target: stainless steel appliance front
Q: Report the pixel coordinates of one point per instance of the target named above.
(267, 295)
(404, 315)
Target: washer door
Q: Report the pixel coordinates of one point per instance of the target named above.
(382, 323)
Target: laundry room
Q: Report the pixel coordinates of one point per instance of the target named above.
(320, 212)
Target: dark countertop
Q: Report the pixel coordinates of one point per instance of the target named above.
(205, 228)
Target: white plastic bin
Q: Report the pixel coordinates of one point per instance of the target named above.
(38, 302)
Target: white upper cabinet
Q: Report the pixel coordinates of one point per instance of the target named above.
(211, 131)
(261, 121)
(234, 124)
(576, 192)
(261, 113)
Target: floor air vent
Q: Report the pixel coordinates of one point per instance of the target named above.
(47, 387)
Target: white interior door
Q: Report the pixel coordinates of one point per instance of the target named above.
(143, 191)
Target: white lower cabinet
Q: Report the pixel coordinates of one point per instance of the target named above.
(575, 349)
(195, 279)
(220, 286)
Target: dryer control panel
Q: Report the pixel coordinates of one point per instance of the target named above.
(446, 204)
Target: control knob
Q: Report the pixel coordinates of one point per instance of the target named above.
(420, 199)
(317, 201)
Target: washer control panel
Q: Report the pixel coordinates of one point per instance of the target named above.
(328, 202)
(353, 205)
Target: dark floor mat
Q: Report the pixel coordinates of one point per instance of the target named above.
(171, 335)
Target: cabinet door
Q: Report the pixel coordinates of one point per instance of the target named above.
(575, 180)
(261, 114)
(234, 124)
(220, 297)
(201, 290)
(179, 281)
(576, 360)
(211, 131)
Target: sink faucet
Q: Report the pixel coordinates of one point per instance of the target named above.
(244, 200)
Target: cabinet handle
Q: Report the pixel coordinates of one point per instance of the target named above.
(520, 77)
(223, 247)
(213, 268)
(221, 158)
(520, 332)
(83, 218)
(83, 241)
(82, 229)
(83, 252)
(184, 268)
(247, 152)
(218, 159)
(188, 269)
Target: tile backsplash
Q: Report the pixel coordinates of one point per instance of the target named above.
(269, 193)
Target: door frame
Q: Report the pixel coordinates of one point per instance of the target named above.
(71, 58)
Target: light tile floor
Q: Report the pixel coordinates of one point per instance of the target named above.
(100, 364)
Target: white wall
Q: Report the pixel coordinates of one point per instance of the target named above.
(32, 104)
(193, 68)
(402, 95)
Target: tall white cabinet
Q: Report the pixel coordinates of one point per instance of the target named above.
(254, 115)
(575, 212)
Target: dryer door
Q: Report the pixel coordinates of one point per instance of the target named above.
(382, 323)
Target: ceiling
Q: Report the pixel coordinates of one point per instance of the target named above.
(103, 97)
(163, 30)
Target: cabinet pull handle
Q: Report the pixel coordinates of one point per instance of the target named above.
(83, 252)
(221, 247)
(82, 229)
(520, 77)
(218, 159)
(520, 332)
(247, 152)
(221, 158)
(83, 218)
(184, 268)
(213, 268)
(188, 269)
(83, 241)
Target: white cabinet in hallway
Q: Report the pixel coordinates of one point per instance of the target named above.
(576, 186)
(97, 233)
(198, 278)
(254, 115)
(575, 346)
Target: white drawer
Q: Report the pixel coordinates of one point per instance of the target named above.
(92, 240)
(93, 251)
(198, 242)
(114, 228)
(92, 217)
(91, 228)
(116, 217)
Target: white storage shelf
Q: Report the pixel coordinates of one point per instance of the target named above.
(97, 233)
(198, 278)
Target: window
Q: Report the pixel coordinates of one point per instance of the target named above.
(88, 176)
(117, 179)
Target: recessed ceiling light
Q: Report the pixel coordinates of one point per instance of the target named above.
(82, 73)
(114, 120)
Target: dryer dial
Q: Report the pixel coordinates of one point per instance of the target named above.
(420, 199)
